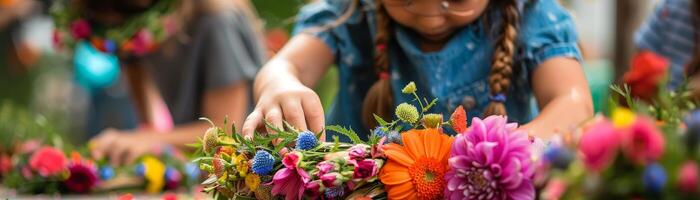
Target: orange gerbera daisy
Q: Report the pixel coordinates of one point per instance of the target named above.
(417, 169)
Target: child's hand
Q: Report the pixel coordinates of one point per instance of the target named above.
(123, 147)
(286, 100)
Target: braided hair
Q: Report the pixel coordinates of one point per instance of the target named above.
(499, 79)
(379, 99)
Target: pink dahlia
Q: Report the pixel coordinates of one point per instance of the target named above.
(643, 142)
(491, 160)
(598, 145)
(291, 180)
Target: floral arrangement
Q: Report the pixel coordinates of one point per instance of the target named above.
(33, 160)
(141, 34)
(645, 151)
(411, 157)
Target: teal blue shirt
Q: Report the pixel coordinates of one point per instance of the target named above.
(457, 72)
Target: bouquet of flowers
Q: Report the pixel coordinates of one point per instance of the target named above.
(408, 158)
(33, 160)
(646, 151)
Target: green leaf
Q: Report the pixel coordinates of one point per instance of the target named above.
(336, 143)
(272, 127)
(380, 120)
(430, 105)
(347, 132)
(290, 127)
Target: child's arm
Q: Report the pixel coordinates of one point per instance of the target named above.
(282, 87)
(562, 93)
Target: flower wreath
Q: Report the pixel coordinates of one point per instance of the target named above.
(138, 35)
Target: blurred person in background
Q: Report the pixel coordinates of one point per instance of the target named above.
(203, 70)
(672, 31)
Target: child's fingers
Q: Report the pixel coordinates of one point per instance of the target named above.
(274, 116)
(252, 122)
(294, 114)
(313, 111)
(116, 153)
(100, 144)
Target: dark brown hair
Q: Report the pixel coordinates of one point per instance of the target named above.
(379, 98)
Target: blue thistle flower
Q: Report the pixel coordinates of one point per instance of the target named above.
(394, 137)
(558, 156)
(335, 192)
(379, 132)
(106, 172)
(192, 171)
(306, 140)
(263, 162)
(140, 169)
(654, 178)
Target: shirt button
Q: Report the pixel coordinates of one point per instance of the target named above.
(468, 102)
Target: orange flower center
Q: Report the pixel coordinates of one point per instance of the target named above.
(426, 176)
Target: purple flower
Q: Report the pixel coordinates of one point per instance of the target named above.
(357, 152)
(80, 29)
(492, 161)
(324, 167)
(82, 178)
(172, 178)
(291, 180)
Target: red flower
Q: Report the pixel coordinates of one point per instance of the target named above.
(276, 38)
(48, 161)
(82, 178)
(459, 120)
(5, 164)
(57, 39)
(646, 73)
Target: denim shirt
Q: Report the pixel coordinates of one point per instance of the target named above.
(454, 75)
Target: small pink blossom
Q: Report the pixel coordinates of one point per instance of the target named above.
(599, 145)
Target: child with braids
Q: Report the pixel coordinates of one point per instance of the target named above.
(489, 55)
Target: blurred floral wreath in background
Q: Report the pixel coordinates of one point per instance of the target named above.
(138, 35)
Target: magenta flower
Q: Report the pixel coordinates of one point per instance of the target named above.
(331, 179)
(143, 42)
(491, 160)
(598, 145)
(364, 169)
(642, 142)
(324, 167)
(357, 152)
(313, 190)
(82, 178)
(688, 177)
(290, 181)
(80, 29)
